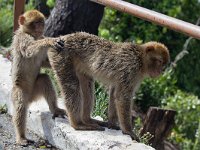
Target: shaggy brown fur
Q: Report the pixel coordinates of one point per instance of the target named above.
(122, 66)
(29, 55)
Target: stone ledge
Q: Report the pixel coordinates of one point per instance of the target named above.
(58, 132)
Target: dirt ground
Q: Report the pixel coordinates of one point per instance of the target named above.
(7, 137)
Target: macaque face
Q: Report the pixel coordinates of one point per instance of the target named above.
(157, 57)
(37, 26)
(32, 23)
(156, 66)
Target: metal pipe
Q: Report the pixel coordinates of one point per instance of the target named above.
(152, 16)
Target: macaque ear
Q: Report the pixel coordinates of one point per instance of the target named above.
(149, 48)
(21, 20)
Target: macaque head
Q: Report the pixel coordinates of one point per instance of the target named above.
(155, 58)
(32, 22)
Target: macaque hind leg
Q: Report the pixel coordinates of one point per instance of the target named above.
(21, 100)
(43, 87)
(69, 83)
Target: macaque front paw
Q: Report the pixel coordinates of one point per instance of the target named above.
(59, 113)
(59, 45)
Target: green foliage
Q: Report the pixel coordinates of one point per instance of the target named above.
(3, 109)
(30, 5)
(188, 108)
(6, 4)
(146, 138)
(163, 92)
(186, 122)
(152, 91)
(189, 69)
(51, 3)
(101, 102)
(197, 141)
(6, 22)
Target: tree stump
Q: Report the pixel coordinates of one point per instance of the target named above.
(158, 122)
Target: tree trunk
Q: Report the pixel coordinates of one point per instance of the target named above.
(70, 16)
(158, 123)
(42, 7)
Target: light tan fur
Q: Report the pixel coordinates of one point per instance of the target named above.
(122, 66)
(29, 55)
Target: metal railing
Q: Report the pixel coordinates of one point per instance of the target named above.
(152, 16)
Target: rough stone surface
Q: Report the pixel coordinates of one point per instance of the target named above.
(58, 132)
(7, 137)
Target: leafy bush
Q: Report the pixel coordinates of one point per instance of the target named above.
(51, 3)
(188, 69)
(30, 5)
(101, 102)
(163, 92)
(6, 22)
(186, 122)
(197, 141)
(3, 109)
(152, 91)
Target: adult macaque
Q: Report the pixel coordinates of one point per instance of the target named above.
(29, 52)
(122, 66)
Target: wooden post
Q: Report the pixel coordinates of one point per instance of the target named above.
(18, 10)
(158, 122)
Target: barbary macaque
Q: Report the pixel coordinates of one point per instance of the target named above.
(29, 53)
(122, 66)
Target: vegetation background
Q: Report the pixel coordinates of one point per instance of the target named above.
(178, 88)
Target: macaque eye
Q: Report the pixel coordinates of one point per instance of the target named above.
(41, 22)
(154, 60)
(164, 67)
(157, 60)
(160, 61)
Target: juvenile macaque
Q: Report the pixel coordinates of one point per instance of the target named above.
(29, 52)
(122, 66)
